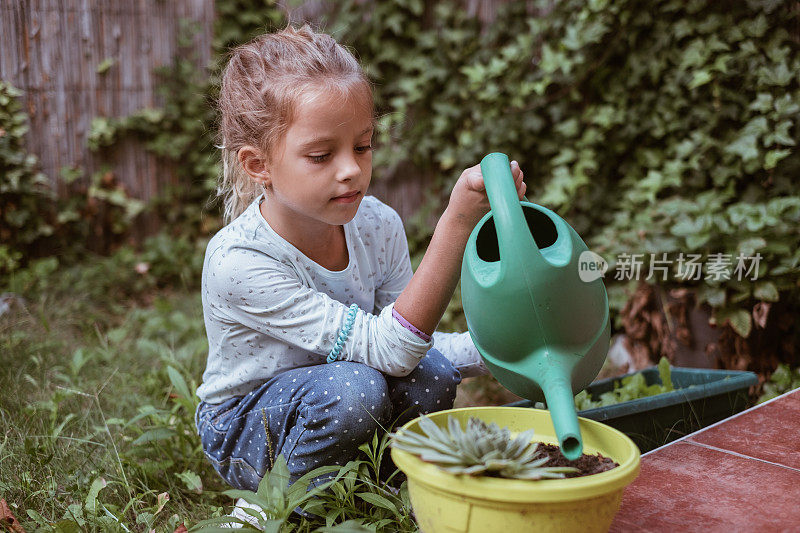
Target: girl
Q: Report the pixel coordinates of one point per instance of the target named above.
(319, 332)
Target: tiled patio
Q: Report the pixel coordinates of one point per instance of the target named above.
(741, 474)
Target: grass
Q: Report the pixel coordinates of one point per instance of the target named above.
(96, 414)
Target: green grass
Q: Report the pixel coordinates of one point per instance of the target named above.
(97, 406)
(90, 397)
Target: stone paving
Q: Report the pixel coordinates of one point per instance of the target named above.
(740, 474)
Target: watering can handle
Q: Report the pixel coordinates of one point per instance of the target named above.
(513, 236)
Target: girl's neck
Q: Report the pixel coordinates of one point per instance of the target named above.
(323, 243)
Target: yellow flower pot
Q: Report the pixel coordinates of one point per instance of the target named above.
(444, 502)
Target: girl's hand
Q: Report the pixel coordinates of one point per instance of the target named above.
(468, 200)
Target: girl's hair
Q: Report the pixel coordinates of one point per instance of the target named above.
(262, 85)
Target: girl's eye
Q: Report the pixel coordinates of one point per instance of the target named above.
(318, 158)
(324, 157)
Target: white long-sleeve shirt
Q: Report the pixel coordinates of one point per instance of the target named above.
(268, 308)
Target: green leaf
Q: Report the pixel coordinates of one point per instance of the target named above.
(40, 520)
(67, 526)
(694, 55)
(349, 526)
(696, 241)
(90, 504)
(779, 75)
(786, 105)
(749, 246)
(179, 383)
(192, 481)
(700, 77)
(226, 522)
(746, 147)
(739, 320)
(773, 157)
(715, 296)
(766, 291)
(665, 374)
(762, 103)
(154, 435)
(378, 500)
(781, 134)
(757, 27)
(106, 64)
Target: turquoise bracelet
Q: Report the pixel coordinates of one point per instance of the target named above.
(343, 334)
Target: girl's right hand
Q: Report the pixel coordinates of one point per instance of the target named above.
(468, 200)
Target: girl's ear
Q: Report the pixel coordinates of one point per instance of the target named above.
(255, 164)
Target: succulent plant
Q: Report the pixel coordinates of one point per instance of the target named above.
(482, 449)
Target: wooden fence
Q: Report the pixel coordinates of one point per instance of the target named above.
(80, 59)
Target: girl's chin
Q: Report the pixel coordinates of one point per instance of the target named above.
(342, 213)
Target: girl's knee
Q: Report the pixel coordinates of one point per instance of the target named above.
(437, 370)
(358, 398)
(431, 386)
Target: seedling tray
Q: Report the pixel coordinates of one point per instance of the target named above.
(702, 397)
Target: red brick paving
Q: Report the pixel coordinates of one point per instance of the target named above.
(741, 474)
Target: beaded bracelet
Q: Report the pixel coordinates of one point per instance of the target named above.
(344, 333)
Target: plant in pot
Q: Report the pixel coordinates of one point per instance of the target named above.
(484, 477)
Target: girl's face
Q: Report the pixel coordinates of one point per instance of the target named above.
(321, 169)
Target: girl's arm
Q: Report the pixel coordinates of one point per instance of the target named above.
(426, 296)
(461, 351)
(457, 347)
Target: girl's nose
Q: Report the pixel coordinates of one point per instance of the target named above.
(349, 169)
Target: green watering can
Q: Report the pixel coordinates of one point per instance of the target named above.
(542, 331)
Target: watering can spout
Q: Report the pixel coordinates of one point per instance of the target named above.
(556, 384)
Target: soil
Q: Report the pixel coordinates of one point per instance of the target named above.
(586, 464)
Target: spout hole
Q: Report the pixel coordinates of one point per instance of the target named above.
(539, 224)
(571, 448)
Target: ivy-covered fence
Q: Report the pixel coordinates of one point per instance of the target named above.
(654, 127)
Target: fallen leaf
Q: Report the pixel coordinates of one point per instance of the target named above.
(760, 313)
(163, 498)
(8, 520)
(180, 529)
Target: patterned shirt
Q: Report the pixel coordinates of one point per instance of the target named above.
(268, 308)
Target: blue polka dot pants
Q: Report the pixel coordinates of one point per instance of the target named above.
(317, 415)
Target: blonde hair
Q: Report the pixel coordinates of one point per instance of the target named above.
(262, 85)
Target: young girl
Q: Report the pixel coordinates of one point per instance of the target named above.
(319, 332)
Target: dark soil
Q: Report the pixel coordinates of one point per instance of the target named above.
(586, 464)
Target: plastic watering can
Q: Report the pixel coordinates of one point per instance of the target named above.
(542, 331)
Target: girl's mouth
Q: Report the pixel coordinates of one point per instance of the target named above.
(347, 198)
